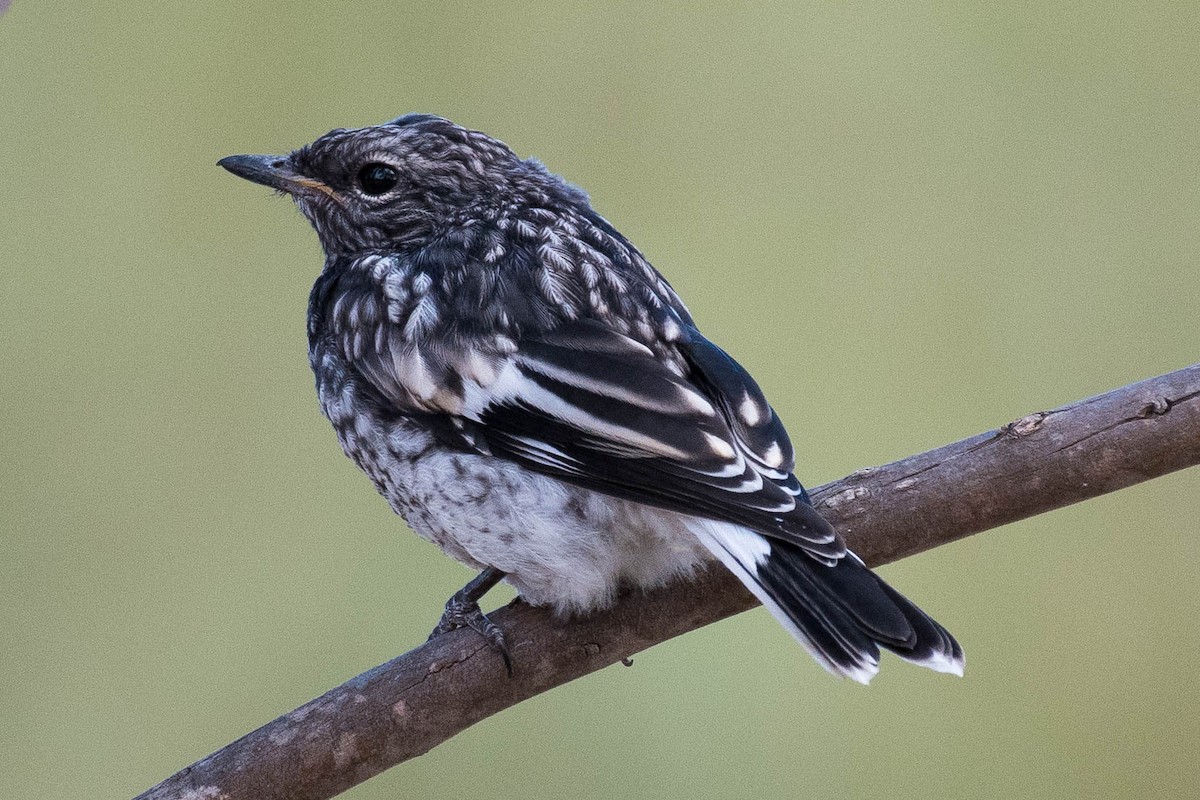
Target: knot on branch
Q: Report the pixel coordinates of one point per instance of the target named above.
(1155, 408)
(1025, 426)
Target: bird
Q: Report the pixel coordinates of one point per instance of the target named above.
(531, 395)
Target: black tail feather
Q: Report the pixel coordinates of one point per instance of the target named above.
(844, 613)
(828, 628)
(933, 643)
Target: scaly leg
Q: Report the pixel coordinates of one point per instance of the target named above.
(462, 611)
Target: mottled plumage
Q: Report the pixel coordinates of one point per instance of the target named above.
(530, 394)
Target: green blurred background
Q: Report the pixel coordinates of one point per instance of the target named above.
(911, 222)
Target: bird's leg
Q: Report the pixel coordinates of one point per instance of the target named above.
(462, 611)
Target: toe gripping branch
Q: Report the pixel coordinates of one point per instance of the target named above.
(462, 611)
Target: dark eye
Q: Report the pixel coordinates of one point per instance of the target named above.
(376, 179)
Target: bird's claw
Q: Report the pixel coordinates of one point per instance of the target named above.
(464, 613)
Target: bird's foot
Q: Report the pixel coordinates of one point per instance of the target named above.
(462, 611)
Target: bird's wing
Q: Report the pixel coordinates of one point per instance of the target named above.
(595, 408)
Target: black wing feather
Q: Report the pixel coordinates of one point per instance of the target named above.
(668, 457)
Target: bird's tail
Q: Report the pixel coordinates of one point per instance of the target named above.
(841, 614)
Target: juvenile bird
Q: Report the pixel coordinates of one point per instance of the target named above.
(532, 396)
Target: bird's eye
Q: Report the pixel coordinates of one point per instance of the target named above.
(376, 178)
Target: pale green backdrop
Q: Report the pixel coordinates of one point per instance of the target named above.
(912, 222)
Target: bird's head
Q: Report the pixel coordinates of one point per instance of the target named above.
(398, 184)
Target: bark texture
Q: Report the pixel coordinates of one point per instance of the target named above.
(409, 705)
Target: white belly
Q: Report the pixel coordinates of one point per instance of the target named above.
(560, 545)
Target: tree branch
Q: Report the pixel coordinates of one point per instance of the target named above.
(409, 705)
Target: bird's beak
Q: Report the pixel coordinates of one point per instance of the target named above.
(276, 172)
